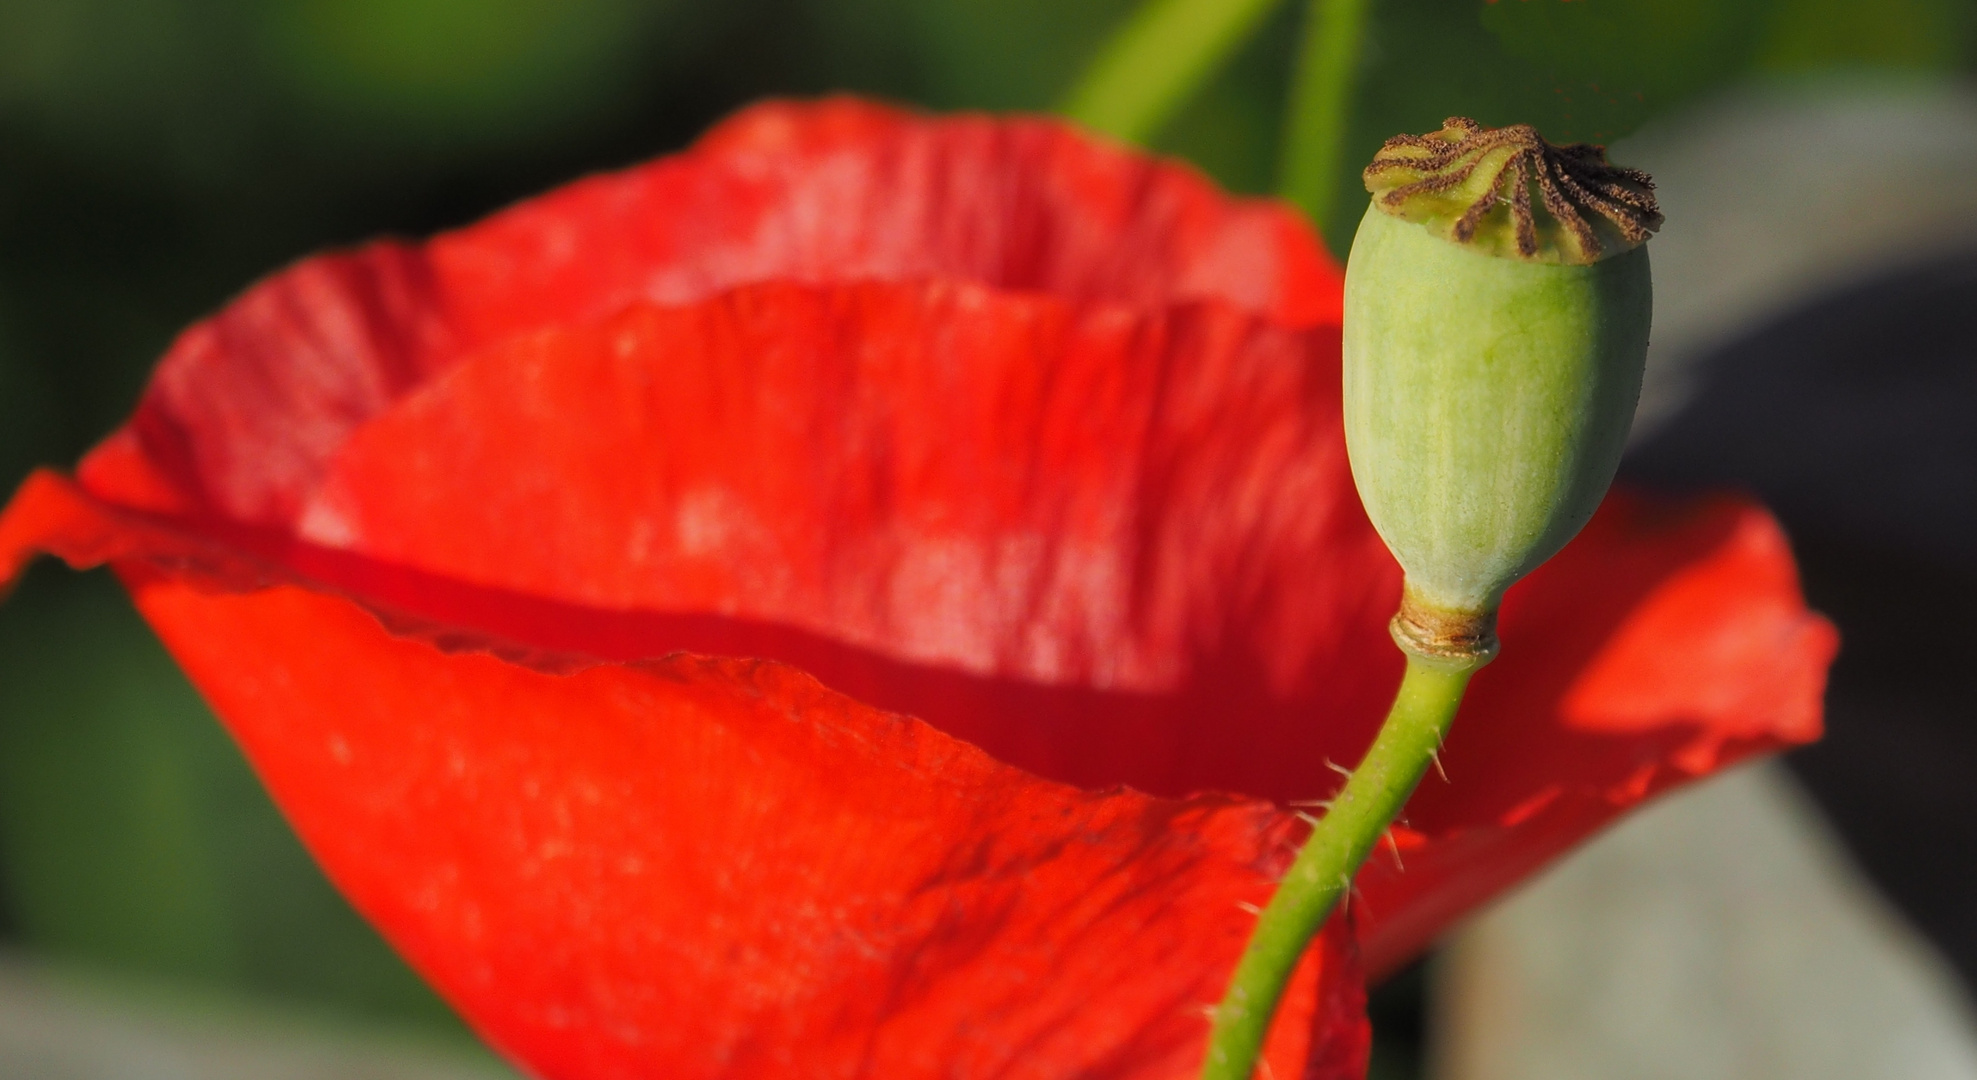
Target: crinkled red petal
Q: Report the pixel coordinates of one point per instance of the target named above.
(254, 400)
(694, 867)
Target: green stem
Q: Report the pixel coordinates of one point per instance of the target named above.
(1426, 703)
(1157, 60)
(1320, 105)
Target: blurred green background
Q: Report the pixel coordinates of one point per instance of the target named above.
(157, 155)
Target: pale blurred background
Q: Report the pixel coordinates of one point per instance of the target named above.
(1816, 285)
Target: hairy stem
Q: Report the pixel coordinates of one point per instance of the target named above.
(1408, 741)
(1320, 105)
(1155, 62)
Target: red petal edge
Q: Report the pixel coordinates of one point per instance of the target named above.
(253, 400)
(705, 867)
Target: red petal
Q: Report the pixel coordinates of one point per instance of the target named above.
(1084, 541)
(693, 867)
(1667, 642)
(845, 190)
(244, 410)
(719, 868)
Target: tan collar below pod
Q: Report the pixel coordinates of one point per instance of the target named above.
(1472, 185)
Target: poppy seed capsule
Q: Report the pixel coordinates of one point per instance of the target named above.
(1494, 346)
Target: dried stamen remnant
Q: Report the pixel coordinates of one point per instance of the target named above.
(1422, 629)
(1474, 184)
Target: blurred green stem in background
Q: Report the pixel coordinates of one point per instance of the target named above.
(1159, 59)
(1320, 106)
(1169, 49)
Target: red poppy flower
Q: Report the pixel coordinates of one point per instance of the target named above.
(1012, 461)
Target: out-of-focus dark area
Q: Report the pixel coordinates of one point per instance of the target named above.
(158, 155)
(1855, 419)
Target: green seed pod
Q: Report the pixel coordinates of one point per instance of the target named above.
(1494, 346)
